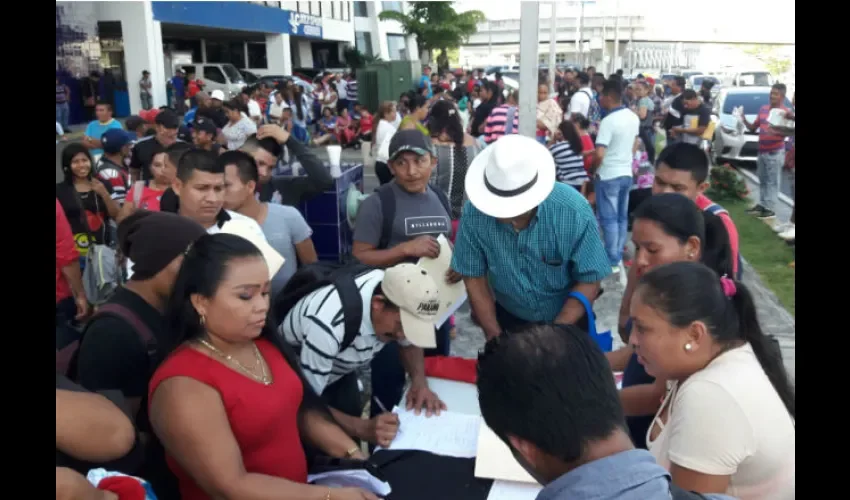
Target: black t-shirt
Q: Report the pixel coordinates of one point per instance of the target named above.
(113, 356)
(90, 216)
(215, 114)
(481, 113)
(142, 155)
(676, 115)
(128, 464)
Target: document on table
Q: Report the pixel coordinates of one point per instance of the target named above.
(356, 478)
(451, 296)
(510, 490)
(495, 461)
(450, 434)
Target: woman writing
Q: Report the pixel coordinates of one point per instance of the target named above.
(229, 403)
(87, 202)
(727, 422)
(383, 133)
(667, 228)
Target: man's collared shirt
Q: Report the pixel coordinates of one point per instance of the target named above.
(628, 475)
(533, 270)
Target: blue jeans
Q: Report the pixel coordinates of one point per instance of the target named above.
(63, 113)
(768, 167)
(388, 372)
(612, 207)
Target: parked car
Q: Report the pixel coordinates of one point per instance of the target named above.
(217, 76)
(731, 142)
(753, 79)
(249, 77)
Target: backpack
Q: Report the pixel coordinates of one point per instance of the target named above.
(385, 196)
(677, 493)
(67, 353)
(594, 112)
(716, 209)
(314, 276)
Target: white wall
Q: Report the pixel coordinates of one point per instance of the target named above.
(305, 53)
(142, 47)
(278, 55)
(336, 30)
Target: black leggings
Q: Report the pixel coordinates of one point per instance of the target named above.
(646, 136)
(383, 172)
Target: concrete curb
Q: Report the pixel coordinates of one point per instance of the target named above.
(754, 178)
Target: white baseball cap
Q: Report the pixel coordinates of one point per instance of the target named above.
(417, 296)
(217, 94)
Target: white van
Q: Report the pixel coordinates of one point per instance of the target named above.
(216, 76)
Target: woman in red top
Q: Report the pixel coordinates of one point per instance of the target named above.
(163, 170)
(229, 403)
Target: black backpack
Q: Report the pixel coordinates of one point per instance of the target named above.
(387, 199)
(314, 276)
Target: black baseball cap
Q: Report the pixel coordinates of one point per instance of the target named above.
(410, 140)
(167, 118)
(205, 125)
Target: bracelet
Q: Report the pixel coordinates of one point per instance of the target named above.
(350, 453)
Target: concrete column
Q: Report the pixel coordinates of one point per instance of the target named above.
(412, 48)
(379, 35)
(529, 29)
(278, 54)
(142, 50)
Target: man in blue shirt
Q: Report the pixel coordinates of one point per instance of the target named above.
(558, 411)
(533, 241)
(94, 130)
(425, 82)
(178, 85)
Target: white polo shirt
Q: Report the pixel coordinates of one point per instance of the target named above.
(617, 133)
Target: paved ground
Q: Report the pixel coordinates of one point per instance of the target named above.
(775, 320)
(784, 180)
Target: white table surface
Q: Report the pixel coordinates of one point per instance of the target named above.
(459, 397)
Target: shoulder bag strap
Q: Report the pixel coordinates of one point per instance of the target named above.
(388, 212)
(588, 309)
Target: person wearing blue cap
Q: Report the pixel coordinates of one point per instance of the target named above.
(111, 168)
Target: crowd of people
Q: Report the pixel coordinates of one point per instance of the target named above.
(192, 356)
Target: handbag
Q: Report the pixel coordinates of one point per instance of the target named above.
(102, 275)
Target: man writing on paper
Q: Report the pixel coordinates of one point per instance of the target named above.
(533, 241)
(558, 411)
(399, 306)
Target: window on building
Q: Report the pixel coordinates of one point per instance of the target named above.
(363, 42)
(397, 47)
(257, 55)
(361, 9)
(216, 52)
(236, 54)
(316, 8)
(213, 74)
(396, 6)
(333, 10)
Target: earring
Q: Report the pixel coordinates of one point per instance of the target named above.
(690, 255)
(203, 319)
(688, 347)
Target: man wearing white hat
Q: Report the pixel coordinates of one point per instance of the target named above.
(531, 240)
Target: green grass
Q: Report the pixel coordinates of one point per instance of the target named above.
(763, 249)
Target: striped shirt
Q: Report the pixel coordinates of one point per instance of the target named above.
(769, 141)
(533, 270)
(569, 164)
(315, 326)
(352, 90)
(494, 127)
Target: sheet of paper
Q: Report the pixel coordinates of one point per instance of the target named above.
(510, 490)
(451, 296)
(495, 461)
(351, 479)
(451, 434)
(618, 378)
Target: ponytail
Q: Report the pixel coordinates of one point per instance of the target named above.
(766, 348)
(689, 291)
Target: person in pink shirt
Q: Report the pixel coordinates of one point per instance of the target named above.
(683, 168)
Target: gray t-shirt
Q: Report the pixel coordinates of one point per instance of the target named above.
(415, 214)
(284, 228)
(650, 109)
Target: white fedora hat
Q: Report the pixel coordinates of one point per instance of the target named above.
(510, 177)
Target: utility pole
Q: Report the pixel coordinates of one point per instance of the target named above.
(490, 40)
(616, 36)
(580, 40)
(553, 22)
(529, 29)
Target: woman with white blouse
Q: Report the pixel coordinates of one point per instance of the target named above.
(239, 127)
(386, 128)
(727, 423)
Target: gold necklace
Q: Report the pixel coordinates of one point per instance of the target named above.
(264, 378)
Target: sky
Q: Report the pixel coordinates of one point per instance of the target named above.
(727, 14)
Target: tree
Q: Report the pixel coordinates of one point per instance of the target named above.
(777, 64)
(356, 59)
(437, 26)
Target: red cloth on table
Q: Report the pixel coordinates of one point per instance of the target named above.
(127, 488)
(452, 368)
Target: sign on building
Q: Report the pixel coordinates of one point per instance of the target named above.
(305, 25)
